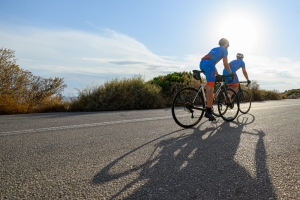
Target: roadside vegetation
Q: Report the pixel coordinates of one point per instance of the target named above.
(135, 93)
(23, 92)
(125, 94)
(293, 94)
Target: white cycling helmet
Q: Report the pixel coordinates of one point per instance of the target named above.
(239, 56)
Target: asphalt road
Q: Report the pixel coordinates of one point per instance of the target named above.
(145, 155)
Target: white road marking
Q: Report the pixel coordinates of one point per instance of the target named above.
(108, 123)
(81, 126)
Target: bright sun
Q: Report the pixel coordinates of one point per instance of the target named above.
(242, 33)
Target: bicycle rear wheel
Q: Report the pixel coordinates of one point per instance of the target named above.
(228, 109)
(183, 107)
(245, 101)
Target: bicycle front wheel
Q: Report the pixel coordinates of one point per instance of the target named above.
(184, 107)
(215, 110)
(245, 101)
(228, 107)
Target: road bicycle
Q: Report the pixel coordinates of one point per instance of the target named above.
(189, 104)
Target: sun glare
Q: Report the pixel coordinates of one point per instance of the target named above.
(242, 33)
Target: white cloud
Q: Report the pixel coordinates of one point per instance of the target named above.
(66, 52)
(278, 73)
(83, 58)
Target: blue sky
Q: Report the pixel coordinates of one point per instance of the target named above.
(90, 42)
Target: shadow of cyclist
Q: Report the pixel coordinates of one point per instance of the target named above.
(200, 165)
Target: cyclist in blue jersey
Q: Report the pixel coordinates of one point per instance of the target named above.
(235, 65)
(208, 65)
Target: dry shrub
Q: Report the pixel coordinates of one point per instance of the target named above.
(53, 104)
(20, 90)
(271, 95)
(9, 105)
(126, 94)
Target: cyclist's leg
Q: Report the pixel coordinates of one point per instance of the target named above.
(234, 84)
(210, 73)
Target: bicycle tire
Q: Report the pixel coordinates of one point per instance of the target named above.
(228, 111)
(245, 101)
(214, 109)
(183, 113)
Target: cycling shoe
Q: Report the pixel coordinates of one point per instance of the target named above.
(209, 116)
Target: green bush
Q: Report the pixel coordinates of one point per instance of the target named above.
(126, 94)
(172, 83)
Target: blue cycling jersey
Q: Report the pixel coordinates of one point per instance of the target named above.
(234, 66)
(237, 64)
(208, 62)
(216, 54)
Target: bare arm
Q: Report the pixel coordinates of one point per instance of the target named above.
(226, 65)
(245, 73)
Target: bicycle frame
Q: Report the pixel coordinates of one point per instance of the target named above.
(197, 76)
(201, 89)
(202, 86)
(223, 85)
